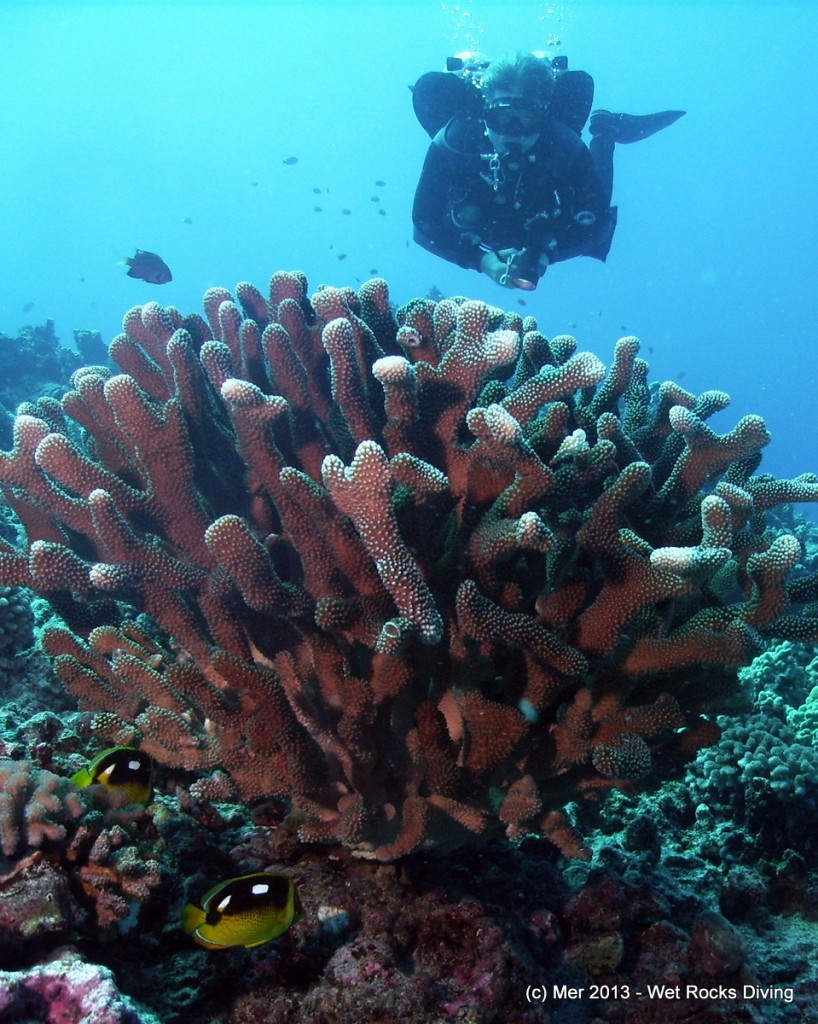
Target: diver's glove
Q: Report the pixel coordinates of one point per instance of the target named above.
(514, 268)
(495, 264)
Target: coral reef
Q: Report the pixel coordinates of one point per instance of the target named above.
(437, 938)
(34, 363)
(762, 775)
(36, 806)
(66, 989)
(16, 621)
(428, 575)
(493, 934)
(63, 852)
(91, 347)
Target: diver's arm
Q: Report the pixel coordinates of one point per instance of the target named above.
(433, 226)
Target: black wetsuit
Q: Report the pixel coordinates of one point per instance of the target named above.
(550, 199)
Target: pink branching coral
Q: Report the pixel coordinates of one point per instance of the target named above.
(36, 807)
(428, 574)
(89, 839)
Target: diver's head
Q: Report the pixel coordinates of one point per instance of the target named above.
(516, 94)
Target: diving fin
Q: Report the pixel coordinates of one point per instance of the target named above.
(631, 127)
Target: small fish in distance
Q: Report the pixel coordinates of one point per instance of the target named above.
(147, 266)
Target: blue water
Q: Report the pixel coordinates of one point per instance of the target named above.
(167, 126)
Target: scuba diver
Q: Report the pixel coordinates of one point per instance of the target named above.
(508, 187)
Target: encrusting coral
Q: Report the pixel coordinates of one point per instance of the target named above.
(762, 775)
(16, 621)
(427, 574)
(67, 989)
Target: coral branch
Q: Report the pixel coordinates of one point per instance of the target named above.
(425, 573)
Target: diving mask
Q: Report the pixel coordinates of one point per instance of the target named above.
(514, 118)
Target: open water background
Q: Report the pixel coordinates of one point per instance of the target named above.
(166, 126)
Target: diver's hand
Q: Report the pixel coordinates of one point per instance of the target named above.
(496, 265)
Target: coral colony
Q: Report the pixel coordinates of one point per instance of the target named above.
(426, 574)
